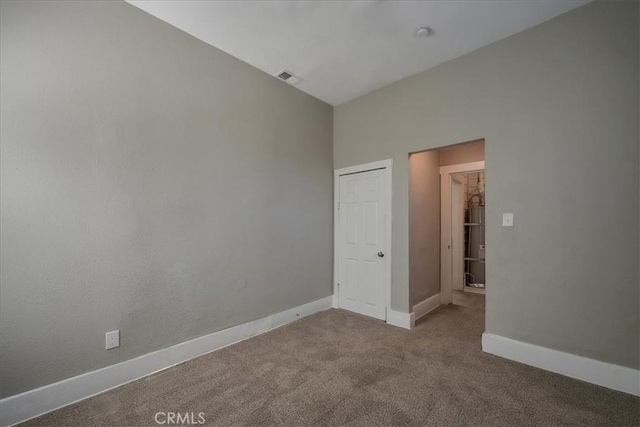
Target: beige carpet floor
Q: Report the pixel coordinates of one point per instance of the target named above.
(338, 368)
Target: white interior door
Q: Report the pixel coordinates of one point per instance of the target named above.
(362, 263)
(457, 235)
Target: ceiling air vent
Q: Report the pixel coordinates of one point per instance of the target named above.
(288, 77)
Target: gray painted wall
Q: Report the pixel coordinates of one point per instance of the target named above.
(150, 183)
(424, 225)
(558, 108)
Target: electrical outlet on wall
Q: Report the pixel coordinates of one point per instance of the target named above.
(507, 219)
(112, 340)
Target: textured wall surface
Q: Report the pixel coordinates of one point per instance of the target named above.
(558, 108)
(150, 183)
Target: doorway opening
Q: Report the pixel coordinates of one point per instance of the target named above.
(468, 232)
(446, 227)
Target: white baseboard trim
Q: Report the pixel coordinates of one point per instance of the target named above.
(592, 371)
(335, 303)
(33, 403)
(423, 308)
(400, 319)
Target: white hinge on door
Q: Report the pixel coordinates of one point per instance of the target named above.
(338, 205)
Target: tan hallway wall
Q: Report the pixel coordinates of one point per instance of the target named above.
(424, 225)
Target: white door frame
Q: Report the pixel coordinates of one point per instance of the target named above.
(446, 293)
(382, 164)
(457, 245)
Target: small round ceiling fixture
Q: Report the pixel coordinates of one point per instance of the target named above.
(423, 32)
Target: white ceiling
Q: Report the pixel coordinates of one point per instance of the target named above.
(344, 49)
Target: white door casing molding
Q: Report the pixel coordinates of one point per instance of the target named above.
(445, 229)
(457, 234)
(387, 165)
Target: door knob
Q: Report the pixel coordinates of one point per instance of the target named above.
(380, 254)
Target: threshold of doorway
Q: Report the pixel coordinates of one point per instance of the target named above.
(473, 290)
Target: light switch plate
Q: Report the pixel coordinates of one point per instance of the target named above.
(507, 219)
